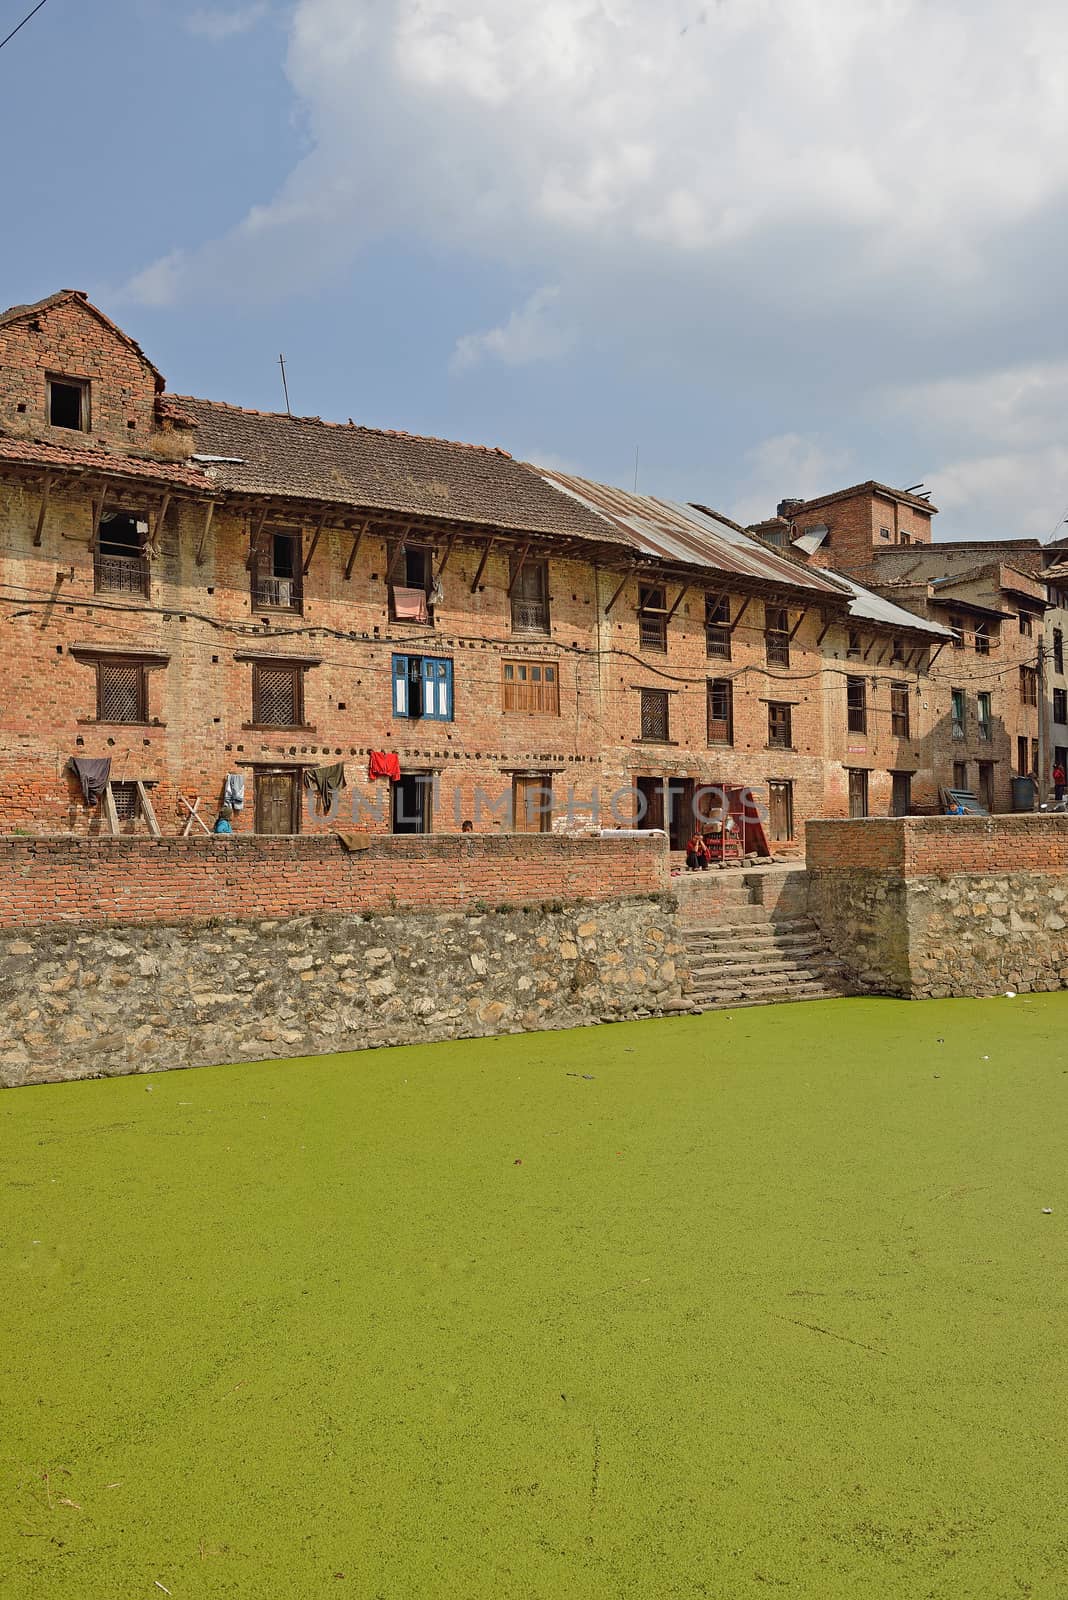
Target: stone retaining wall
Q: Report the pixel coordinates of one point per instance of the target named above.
(929, 907)
(86, 1002)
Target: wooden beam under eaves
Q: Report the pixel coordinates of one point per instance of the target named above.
(518, 567)
(624, 580)
(797, 624)
(746, 603)
(46, 490)
(872, 642)
(482, 566)
(356, 543)
(156, 528)
(398, 551)
(683, 592)
(254, 537)
(445, 558)
(938, 651)
(316, 536)
(97, 511)
(828, 624)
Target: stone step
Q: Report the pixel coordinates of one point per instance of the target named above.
(752, 937)
(746, 970)
(713, 918)
(735, 1002)
(742, 977)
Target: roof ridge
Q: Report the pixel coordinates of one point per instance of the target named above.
(345, 427)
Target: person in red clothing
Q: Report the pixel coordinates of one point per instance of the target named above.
(1058, 783)
(697, 852)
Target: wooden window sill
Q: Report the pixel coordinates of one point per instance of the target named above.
(272, 727)
(104, 722)
(644, 739)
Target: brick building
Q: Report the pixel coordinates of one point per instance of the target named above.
(991, 698)
(200, 593)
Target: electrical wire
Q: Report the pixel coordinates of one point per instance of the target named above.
(22, 24)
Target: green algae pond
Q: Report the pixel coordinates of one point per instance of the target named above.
(762, 1302)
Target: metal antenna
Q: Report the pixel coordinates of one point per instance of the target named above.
(285, 386)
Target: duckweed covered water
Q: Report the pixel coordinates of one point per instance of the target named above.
(748, 1304)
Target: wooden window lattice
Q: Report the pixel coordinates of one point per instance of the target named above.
(654, 714)
(718, 627)
(780, 726)
(127, 801)
(276, 697)
(899, 710)
(121, 691)
(720, 711)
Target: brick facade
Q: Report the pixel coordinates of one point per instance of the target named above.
(202, 636)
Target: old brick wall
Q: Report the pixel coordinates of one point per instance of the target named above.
(69, 340)
(90, 1002)
(134, 881)
(939, 906)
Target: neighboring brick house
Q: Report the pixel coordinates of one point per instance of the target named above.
(992, 696)
(196, 590)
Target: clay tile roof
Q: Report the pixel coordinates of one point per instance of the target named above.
(269, 453)
(17, 313)
(107, 463)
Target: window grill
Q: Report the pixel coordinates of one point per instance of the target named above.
(654, 714)
(717, 627)
(856, 705)
(957, 714)
(982, 638)
(127, 801)
(121, 692)
(720, 711)
(652, 618)
(1029, 686)
(276, 696)
(780, 725)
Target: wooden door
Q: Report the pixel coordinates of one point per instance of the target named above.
(781, 810)
(858, 792)
(531, 804)
(277, 803)
(680, 811)
(652, 792)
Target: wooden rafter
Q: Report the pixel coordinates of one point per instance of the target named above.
(518, 567)
(883, 653)
(938, 651)
(316, 536)
(797, 624)
(357, 540)
(683, 592)
(482, 566)
(828, 624)
(46, 489)
(202, 546)
(97, 511)
(872, 642)
(156, 528)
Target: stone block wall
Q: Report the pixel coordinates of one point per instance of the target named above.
(930, 907)
(87, 1002)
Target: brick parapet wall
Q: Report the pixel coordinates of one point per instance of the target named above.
(913, 847)
(134, 881)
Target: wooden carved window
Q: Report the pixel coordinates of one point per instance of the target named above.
(777, 636)
(720, 711)
(718, 626)
(121, 691)
(127, 801)
(780, 725)
(277, 695)
(529, 595)
(1028, 686)
(899, 710)
(531, 686)
(277, 581)
(652, 617)
(655, 714)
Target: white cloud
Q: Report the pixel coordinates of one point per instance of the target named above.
(788, 466)
(533, 333)
(222, 25)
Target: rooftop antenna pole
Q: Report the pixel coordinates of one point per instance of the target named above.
(635, 469)
(285, 386)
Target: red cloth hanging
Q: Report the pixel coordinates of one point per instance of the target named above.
(384, 764)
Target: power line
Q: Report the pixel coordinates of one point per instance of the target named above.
(22, 24)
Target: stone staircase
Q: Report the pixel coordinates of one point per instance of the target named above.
(749, 941)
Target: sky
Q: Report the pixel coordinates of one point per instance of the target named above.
(747, 249)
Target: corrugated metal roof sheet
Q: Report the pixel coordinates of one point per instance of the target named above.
(874, 608)
(668, 531)
(812, 538)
